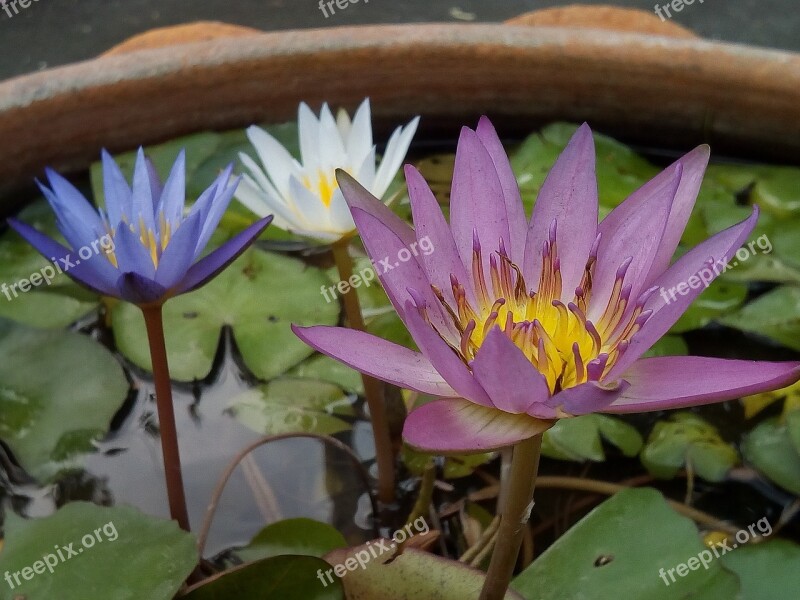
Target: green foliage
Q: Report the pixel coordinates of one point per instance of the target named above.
(303, 537)
(580, 438)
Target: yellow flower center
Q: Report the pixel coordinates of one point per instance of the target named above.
(555, 336)
(322, 184)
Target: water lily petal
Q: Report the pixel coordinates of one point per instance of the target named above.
(331, 144)
(97, 273)
(308, 132)
(632, 230)
(668, 382)
(588, 397)
(132, 256)
(666, 304)
(139, 290)
(208, 267)
(569, 197)
(143, 202)
(179, 253)
(263, 204)
(443, 359)
(509, 378)
(376, 357)
(694, 167)
(116, 190)
(173, 196)
(359, 137)
(277, 161)
(515, 212)
(77, 220)
(477, 203)
(455, 425)
(396, 150)
(444, 260)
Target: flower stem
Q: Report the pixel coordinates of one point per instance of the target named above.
(166, 416)
(372, 387)
(514, 517)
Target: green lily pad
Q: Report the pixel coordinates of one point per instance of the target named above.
(289, 405)
(669, 345)
(775, 315)
(58, 393)
(766, 571)
(276, 578)
(619, 550)
(260, 295)
(688, 439)
(579, 438)
(325, 368)
(113, 553)
(303, 537)
(770, 448)
(412, 575)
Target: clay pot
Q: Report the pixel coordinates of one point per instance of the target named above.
(662, 87)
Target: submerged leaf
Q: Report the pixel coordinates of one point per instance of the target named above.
(300, 536)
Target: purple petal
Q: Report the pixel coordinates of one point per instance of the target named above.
(668, 382)
(587, 397)
(632, 230)
(476, 200)
(384, 246)
(357, 197)
(140, 290)
(443, 358)
(132, 256)
(179, 254)
(374, 356)
(173, 196)
(443, 261)
(209, 267)
(668, 304)
(509, 378)
(515, 213)
(97, 273)
(76, 218)
(142, 196)
(116, 190)
(457, 425)
(694, 167)
(568, 197)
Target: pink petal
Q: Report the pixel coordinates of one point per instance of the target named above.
(515, 213)
(458, 426)
(512, 382)
(569, 197)
(430, 223)
(668, 382)
(476, 200)
(443, 358)
(632, 230)
(377, 357)
(694, 167)
(587, 397)
(666, 309)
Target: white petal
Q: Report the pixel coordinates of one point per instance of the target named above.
(258, 174)
(343, 123)
(331, 146)
(312, 213)
(365, 173)
(308, 130)
(395, 153)
(359, 141)
(262, 204)
(277, 161)
(340, 217)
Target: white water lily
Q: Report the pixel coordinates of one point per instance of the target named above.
(304, 196)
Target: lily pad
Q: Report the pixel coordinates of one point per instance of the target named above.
(412, 575)
(775, 315)
(454, 466)
(290, 405)
(303, 537)
(718, 300)
(579, 438)
(113, 553)
(260, 295)
(669, 345)
(325, 368)
(276, 578)
(766, 571)
(58, 392)
(619, 550)
(770, 448)
(687, 439)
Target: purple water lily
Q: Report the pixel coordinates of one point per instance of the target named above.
(523, 322)
(155, 245)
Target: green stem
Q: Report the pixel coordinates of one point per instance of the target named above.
(373, 390)
(166, 416)
(514, 517)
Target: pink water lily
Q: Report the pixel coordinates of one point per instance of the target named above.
(521, 322)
